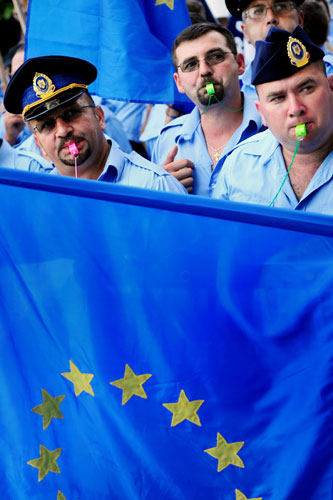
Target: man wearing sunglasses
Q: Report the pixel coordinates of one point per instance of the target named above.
(193, 147)
(51, 92)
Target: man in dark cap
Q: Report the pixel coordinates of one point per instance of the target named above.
(51, 92)
(258, 16)
(289, 165)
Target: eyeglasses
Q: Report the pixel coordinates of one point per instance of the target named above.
(259, 11)
(211, 59)
(68, 115)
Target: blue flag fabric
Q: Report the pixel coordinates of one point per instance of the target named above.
(158, 346)
(128, 41)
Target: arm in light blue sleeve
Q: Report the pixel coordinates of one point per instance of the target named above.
(22, 160)
(168, 183)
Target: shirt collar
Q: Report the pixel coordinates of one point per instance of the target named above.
(190, 124)
(193, 120)
(250, 113)
(267, 148)
(114, 165)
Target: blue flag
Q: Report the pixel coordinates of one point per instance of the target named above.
(128, 41)
(158, 346)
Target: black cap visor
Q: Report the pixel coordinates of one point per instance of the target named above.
(53, 103)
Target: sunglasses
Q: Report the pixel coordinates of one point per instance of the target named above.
(68, 115)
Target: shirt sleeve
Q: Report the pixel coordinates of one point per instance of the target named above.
(168, 183)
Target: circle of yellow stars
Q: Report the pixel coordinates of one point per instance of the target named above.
(131, 385)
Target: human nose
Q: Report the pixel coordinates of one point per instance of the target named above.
(296, 106)
(62, 128)
(271, 17)
(204, 67)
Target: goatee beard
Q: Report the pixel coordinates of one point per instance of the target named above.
(69, 160)
(204, 97)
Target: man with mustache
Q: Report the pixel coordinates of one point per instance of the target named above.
(193, 147)
(51, 92)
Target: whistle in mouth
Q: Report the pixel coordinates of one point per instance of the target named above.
(300, 130)
(210, 89)
(73, 149)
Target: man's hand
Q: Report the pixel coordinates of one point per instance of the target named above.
(180, 169)
(14, 125)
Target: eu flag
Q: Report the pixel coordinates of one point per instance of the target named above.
(129, 42)
(154, 346)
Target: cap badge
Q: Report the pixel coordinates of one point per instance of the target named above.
(43, 85)
(297, 52)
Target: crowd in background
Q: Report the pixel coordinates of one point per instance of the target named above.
(153, 130)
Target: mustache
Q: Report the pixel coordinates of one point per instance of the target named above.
(206, 80)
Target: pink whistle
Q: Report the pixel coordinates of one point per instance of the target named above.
(73, 149)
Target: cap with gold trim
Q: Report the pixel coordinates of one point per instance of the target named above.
(282, 54)
(44, 83)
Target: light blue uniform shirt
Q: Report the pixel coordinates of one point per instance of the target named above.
(29, 144)
(22, 160)
(247, 88)
(134, 170)
(130, 114)
(114, 128)
(328, 60)
(23, 135)
(255, 170)
(154, 125)
(186, 132)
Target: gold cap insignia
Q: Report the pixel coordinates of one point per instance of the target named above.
(43, 85)
(297, 52)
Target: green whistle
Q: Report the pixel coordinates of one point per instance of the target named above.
(300, 130)
(210, 89)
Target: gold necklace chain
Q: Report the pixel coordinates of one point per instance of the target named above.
(216, 151)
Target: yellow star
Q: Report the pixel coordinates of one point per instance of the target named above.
(241, 496)
(131, 384)
(169, 3)
(184, 410)
(46, 462)
(80, 380)
(226, 453)
(49, 409)
(60, 496)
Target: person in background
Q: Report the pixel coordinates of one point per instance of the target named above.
(12, 127)
(258, 16)
(317, 23)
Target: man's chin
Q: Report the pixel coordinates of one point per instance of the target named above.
(67, 159)
(206, 99)
(69, 162)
